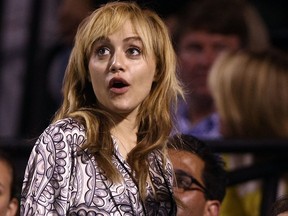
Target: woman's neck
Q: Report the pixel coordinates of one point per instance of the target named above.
(125, 132)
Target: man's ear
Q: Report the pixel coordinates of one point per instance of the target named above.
(212, 208)
(13, 207)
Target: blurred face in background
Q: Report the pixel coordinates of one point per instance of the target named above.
(197, 52)
(8, 205)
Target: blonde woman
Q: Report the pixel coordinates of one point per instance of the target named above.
(105, 152)
(251, 96)
(251, 93)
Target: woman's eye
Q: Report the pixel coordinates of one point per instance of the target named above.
(103, 51)
(133, 51)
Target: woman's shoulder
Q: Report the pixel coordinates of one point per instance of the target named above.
(67, 125)
(67, 130)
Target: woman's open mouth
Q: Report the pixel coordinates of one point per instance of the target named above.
(118, 85)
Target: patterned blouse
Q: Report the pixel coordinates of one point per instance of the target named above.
(61, 178)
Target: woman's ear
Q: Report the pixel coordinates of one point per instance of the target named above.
(13, 207)
(212, 208)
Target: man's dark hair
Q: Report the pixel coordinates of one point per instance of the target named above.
(225, 17)
(280, 206)
(214, 174)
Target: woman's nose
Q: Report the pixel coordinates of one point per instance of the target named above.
(117, 62)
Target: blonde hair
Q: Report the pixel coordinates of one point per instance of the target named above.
(155, 114)
(250, 90)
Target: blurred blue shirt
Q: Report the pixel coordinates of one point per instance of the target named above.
(208, 128)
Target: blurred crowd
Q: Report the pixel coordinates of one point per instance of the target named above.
(36, 41)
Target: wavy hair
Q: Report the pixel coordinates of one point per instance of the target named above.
(155, 117)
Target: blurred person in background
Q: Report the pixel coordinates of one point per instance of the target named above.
(251, 96)
(70, 14)
(8, 200)
(54, 61)
(205, 29)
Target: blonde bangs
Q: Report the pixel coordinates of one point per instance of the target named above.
(95, 26)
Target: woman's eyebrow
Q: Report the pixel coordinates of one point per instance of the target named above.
(102, 39)
(128, 39)
(133, 38)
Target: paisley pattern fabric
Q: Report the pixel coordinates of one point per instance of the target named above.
(61, 178)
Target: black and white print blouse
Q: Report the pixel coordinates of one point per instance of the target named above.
(62, 179)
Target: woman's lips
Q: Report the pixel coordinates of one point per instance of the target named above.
(118, 85)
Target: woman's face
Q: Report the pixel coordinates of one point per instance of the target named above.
(8, 206)
(120, 73)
